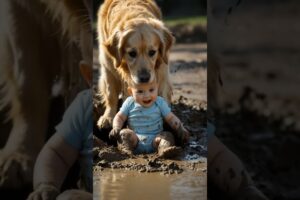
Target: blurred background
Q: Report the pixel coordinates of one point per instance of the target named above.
(255, 43)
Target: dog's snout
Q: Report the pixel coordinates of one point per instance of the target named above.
(144, 76)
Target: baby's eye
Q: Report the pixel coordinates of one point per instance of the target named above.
(132, 53)
(151, 89)
(140, 91)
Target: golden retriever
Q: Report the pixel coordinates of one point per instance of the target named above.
(134, 46)
(41, 44)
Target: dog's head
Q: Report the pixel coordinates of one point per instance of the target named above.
(138, 48)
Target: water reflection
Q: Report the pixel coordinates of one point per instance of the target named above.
(131, 185)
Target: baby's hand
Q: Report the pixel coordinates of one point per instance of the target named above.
(114, 134)
(182, 134)
(44, 191)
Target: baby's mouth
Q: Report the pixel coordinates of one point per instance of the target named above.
(147, 101)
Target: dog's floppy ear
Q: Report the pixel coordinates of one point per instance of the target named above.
(167, 40)
(114, 46)
(111, 46)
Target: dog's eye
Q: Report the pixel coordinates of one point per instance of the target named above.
(132, 54)
(152, 53)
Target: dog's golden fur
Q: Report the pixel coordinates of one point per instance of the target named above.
(134, 46)
(41, 45)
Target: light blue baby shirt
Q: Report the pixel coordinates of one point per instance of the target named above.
(77, 129)
(145, 121)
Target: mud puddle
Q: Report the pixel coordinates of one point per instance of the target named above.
(148, 177)
(130, 185)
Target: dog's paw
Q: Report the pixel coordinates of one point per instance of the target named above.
(16, 170)
(105, 122)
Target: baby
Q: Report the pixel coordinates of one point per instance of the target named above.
(72, 141)
(145, 113)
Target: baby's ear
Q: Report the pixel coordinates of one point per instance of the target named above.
(129, 90)
(86, 72)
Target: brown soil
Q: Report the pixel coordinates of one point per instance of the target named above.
(110, 157)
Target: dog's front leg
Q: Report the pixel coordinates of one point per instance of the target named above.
(110, 88)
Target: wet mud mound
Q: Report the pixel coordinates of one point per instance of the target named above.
(111, 158)
(108, 158)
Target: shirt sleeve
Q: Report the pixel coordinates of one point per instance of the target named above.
(126, 106)
(164, 106)
(74, 122)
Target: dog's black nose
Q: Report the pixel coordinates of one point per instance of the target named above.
(144, 76)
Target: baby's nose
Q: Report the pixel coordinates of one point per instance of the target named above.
(146, 94)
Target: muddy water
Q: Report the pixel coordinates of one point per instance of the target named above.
(131, 185)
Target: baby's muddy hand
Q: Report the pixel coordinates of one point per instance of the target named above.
(114, 134)
(44, 191)
(182, 134)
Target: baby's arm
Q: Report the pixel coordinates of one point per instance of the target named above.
(56, 154)
(119, 120)
(177, 125)
(118, 123)
(173, 121)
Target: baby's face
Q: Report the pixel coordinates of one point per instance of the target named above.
(145, 94)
